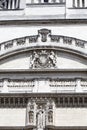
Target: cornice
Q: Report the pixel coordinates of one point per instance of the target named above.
(47, 128)
(32, 71)
(62, 100)
(39, 22)
(44, 40)
(48, 95)
(52, 128)
(67, 127)
(17, 127)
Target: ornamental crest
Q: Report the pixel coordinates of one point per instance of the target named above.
(43, 59)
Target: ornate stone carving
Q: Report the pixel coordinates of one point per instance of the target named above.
(41, 114)
(50, 116)
(31, 117)
(21, 41)
(40, 119)
(79, 43)
(44, 33)
(55, 38)
(43, 59)
(9, 44)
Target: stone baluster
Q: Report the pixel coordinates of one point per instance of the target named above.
(76, 1)
(81, 3)
(17, 4)
(13, 4)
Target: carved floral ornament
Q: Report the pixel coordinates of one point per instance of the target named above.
(43, 59)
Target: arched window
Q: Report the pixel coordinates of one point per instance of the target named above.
(50, 116)
(31, 117)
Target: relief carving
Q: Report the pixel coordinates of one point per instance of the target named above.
(43, 59)
(40, 120)
(44, 33)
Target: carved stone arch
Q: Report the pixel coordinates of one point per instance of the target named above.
(58, 42)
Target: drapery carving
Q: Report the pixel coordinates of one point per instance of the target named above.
(40, 120)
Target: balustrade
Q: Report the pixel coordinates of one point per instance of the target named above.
(10, 4)
(20, 83)
(56, 85)
(45, 1)
(79, 3)
(1, 83)
(62, 83)
(84, 83)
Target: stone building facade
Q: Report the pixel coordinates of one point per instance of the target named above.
(43, 65)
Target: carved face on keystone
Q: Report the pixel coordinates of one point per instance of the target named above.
(44, 33)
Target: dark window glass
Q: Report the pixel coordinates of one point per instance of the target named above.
(46, 1)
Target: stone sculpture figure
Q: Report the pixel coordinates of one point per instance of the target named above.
(40, 120)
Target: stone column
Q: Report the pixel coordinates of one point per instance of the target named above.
(81, 3)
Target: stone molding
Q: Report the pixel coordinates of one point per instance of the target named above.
(73, 100)
(44, 36)
(55, 85)
(47, 128)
